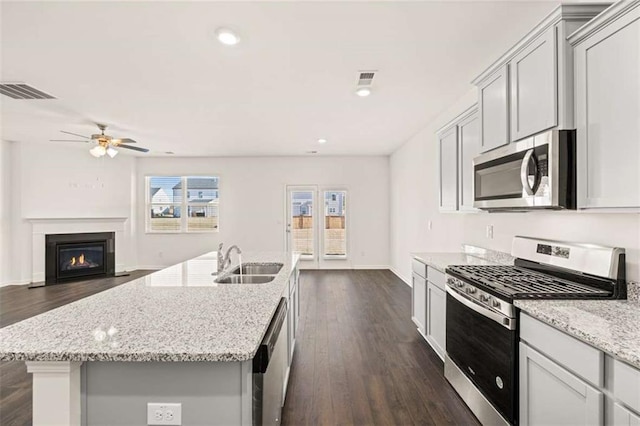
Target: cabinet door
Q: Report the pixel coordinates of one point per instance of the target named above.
(419, 302)
(448, 147)
(622, 416)
(549, 394)
(469, 147)
(533, 95)
(493, 100)
(436, 317)
(607, 66)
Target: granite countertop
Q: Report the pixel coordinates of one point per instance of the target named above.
(609, 325)
(175, 314)
(469, 256)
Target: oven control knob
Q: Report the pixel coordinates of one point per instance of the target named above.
(459, 284)
(495, 303)
(471, 290)
(499, 382)
(485, 298)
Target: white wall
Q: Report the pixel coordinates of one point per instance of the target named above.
(64, 183)
(252, 208)
(414, 202)
(5, 213)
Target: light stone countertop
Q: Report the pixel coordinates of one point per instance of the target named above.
(470, 255)
(609, 325)
(175, 314)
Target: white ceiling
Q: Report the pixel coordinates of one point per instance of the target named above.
(154, 71)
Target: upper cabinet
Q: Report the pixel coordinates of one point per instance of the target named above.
(533, 87)
(493, 99)
(458, 144)
(530, 88)
(607, 108)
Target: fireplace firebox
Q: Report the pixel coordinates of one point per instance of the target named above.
(70, 257)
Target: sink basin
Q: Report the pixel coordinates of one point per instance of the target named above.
(258, 268)
(245, 279)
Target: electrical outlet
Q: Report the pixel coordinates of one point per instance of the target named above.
(162, 413)
(490, 232)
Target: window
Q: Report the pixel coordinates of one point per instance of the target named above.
(166, 203)
(335, 224)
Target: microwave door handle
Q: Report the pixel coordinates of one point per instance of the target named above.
(524, 173)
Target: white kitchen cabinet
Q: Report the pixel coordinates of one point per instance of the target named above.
(448, 149)
(468, 149)
(622, 416)
(529, 89)
(419, 302)
(550, 394)
(459, 143)
(607, 92)
(533, 95)
(493, 101)
(436, 318)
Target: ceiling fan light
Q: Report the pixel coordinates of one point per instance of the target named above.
(95, 151)
(112, 152)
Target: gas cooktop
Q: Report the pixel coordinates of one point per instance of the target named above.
(515, 282)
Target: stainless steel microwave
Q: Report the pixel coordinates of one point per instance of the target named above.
(538, 172)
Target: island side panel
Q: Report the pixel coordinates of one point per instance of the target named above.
(211, 393)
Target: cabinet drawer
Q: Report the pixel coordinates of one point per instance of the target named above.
(419, 268)
(624, 417)
(436, 277)
(626, 384)
(581, 358)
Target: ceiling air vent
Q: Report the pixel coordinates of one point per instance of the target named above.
(365, 78)
(22, 91)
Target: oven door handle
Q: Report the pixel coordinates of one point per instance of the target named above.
(524, 173)
(506, 322)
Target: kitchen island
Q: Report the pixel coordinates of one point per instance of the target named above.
(172, 336)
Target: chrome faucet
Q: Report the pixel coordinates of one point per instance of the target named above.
(225, 261)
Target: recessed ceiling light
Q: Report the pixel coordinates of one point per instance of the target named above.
(226, 36)
(363, 91)
(322, 140)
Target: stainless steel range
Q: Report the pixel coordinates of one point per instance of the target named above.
(482, 322)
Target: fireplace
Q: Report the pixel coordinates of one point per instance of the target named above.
(70, 257)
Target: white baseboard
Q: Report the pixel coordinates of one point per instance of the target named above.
(15, 283)
(397, 274)
(149, 267)
(370, 267)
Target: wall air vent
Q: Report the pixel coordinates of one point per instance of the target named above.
(22, 91)
(365, 78)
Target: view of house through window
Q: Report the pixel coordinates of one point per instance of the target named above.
(302, 222)
(182, 203)
(335, 229)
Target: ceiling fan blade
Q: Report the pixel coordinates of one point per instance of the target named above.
(66, 140)
(75, 134)
(134, 148)
(123, 140)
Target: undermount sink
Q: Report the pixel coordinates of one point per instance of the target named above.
(245, 279)
(258, 269)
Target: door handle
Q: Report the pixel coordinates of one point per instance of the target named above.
(524, 173)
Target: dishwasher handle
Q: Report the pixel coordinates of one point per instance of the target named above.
(263, 355)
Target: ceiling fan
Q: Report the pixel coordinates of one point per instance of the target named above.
(106, 144)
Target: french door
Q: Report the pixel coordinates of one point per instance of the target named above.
(316, 225)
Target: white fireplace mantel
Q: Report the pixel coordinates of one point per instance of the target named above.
(42, 226)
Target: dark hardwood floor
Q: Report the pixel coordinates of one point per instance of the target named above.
(18, 302)
(359, 359)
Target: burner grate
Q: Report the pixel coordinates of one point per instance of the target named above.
(524, 283)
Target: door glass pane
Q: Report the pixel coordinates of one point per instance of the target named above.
(302, 222)
(335, 226)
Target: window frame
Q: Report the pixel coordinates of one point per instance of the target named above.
(322, 194)
(183, 205)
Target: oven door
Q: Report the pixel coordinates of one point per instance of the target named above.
(484, 349)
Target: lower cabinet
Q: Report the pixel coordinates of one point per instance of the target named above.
(624, 417)
(551, 395)
(436, 318)
(419, 302)
(291, 322)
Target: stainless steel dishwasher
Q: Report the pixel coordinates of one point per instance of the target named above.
(269, 366)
